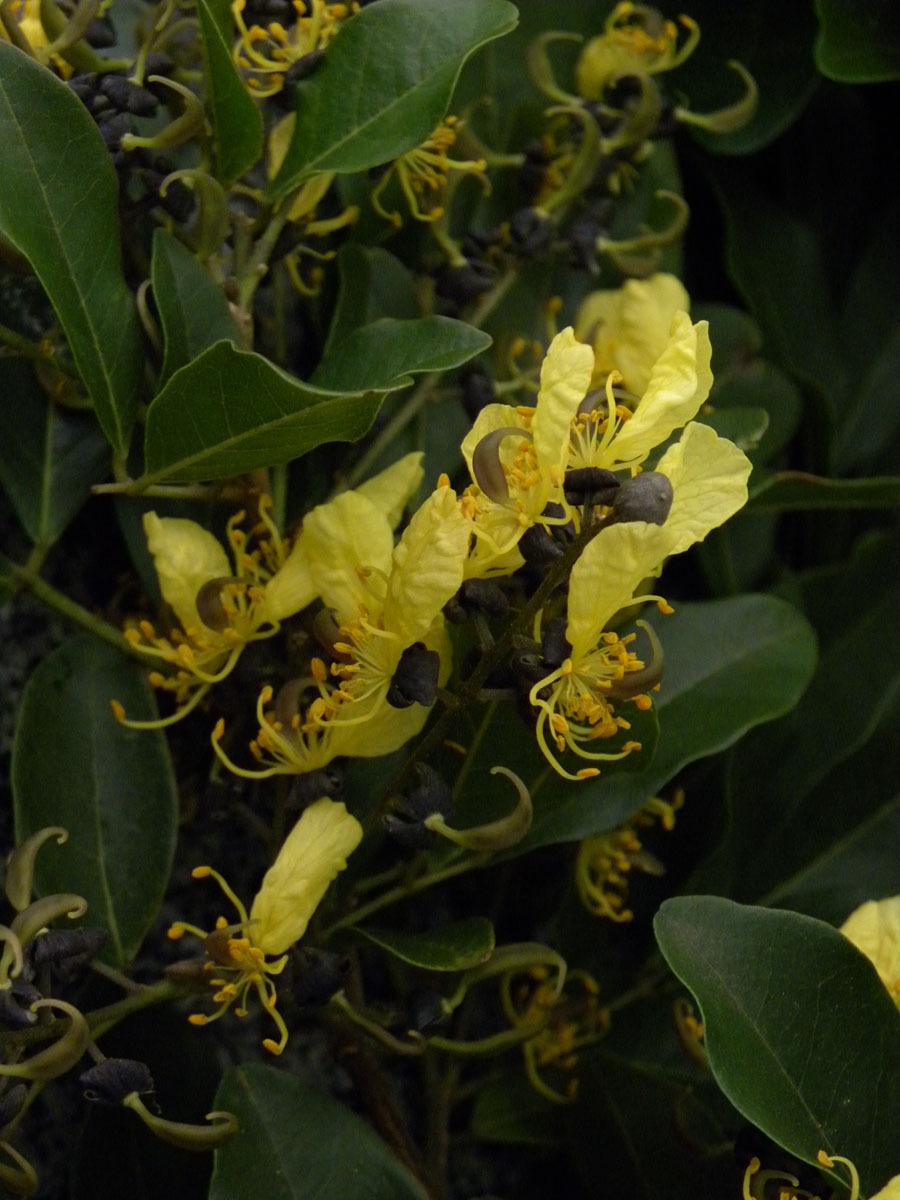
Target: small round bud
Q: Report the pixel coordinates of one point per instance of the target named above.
(646, 497)
(416, 677)
(110, 1081)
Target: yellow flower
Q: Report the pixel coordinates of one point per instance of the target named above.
(628, 327)
(517, 457)
(314, 852)
(422, 174)
(636, 41)
(577, 701)
(265, 56)
(383, 628)
(756, 1189)
(874, 929)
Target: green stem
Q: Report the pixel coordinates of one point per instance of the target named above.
(67, 608)
(422, 394)
(35, 351)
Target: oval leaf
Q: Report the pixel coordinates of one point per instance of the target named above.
(192, 311)
(59, 207)
(297, 1144)
(858, 43)
(236, 121)
(112, 788)
(802, 1035)
(49, 456)
(798, 490)
(385, 83)
(453, 947)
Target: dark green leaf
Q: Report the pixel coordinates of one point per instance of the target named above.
(297, 1144)
(874, 417)
(802, 1035)
(59, 207)
(230, 411)
(798, 490)
(743, 425)
(385, 353)
(373, 284)
(509, 1111)
(192, 311)
(730, 664)
(774, 42)
(859, 42)
(759, 384)
(111, 787)
(49, 456)
(236, 120)
(385, 83)
(452, 947)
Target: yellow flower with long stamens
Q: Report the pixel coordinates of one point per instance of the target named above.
(239, 954)
(636, 41)
(265, 55)
(518, 456)
(577, 701)
(384, 633)
(629, 326)
(757, 1181)
(874, 929)
(422, 174)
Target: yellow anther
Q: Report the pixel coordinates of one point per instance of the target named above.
(219, 730)
(318, 670)
(117, 710)
(198, 1019)
(665, 608)
(201, 872)
(443, 480)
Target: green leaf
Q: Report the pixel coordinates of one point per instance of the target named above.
(49, 456)
(730, 664)
(509, 1111)
(802, 1035)
(774, 42)
(387, 352)
(373, 284)
(295, 1143)
(775, 260)
(236, 120)
(112, 788)
(798, 490)
(230, 411)
(59, 208)
(743, 425)
(192, 311)
(859, 42)
(759, 384)
(874, 418)
(453, 947)
(384, 84)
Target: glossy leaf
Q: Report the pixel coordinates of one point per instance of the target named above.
(49, 456)
(193, 312)
(59, 208)
(387, 352)
(745, 425)
(802, 1035)
(452, 947)
(112, 788)
(860, 42)
(236, 119)
(385, 83)
(509, 1111)
(295, 1143)
(373, 284)
(230, 411)
(730, 664)
(785, 490)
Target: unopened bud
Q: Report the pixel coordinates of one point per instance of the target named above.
(112, 1080)
(645, 497)
(416, 677)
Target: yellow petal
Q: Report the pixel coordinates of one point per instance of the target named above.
(890, 1191)
(344, 539)
(709, 480)
(314, 852)
(629, 326)
(565, 379)
(292, 587)
(679, 384)
(605, 576)
(427, 565)
(185, 556)
(392, 489)
(874, 929)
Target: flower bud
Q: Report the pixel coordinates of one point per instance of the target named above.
(11, 1103)
(416, 677)
(318, 974)
(68, 950)
(61, 1056)
(406, 823)
(645, 497)
(114, 1079)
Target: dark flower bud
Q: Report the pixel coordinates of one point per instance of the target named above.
(645, 497)
(157, 62)
(84, 85)
(477, 241)
(11, 1103)
(318, 974)
(97, 104)
(461, 283)
(328, 781)
(15, 1004)
(300, 68)
(416, 678)
(129, 97)
(555, 646)
(425, 1008)
(112, 1080)
(476, 596)
(530, 231)
(100, 33)
(476, 389)
(113, 128)
(430, 796)
(590, 485)
(543, 543)
(68, 950)
(532, 170)
(179, 201)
